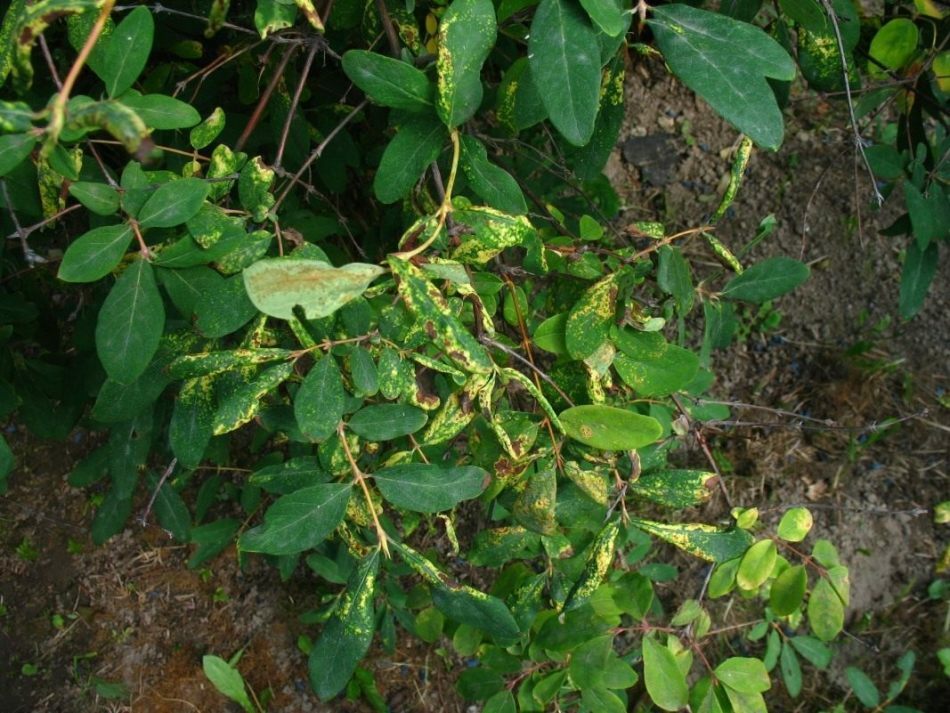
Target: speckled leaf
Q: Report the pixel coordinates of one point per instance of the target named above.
(192, 421)
(348, 633)
(277, 285)
(423, 487)
(825, 611)
(320, 400)
(726, 62)
(99, 198)
(254, 185)
(462, 603)
(594, 482)
(208, 130)
(489, 232)
(565, 67)
(310, 12)
(245, 402)
(389, 81)
(466, 36)
(95, 253)
(599, 558)
(384, 422)
(767, 280)
(651, 366)
(173, 203)
(495, 547)
(130, 323)
(223, 307)
(535, 505)
(417, 143)
(589, 321)
(127, 51)
(609, 428)
(665, 681)
(427, 304)
(299, 521)
(675, 488)
(206, 363)
(704, 541)
(397, 377)
(491, 183)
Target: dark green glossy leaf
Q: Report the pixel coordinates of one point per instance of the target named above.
(417, 143)
(299, 521)
(111, 516)
(917, 275)
(767, 280)
(127, 51)
(173, 203)
(99, 198)
(14, 148)
(466, 35)
(609, 428)
(493, 184)
(606, 14)
(388, 81)
(223, 307)
(320, 400)
(94, 254)
(211, 539)
(428, 487)
(162, 112)
(384, 422)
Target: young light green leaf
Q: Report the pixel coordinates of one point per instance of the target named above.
(893, 46)
(565, 67)
(227, 680)
(795, 524)
(162, 112)
(767, 280)
(428, 487)
(14, 148)
(299, 521)
(609, 428)
(95, 253)
(550, 335)
(173, 203)
(863, 687)
(127, 51)
(918, 272)
(825, 611)
(788, 591)
(99, 198)
(726, 62)
(466, 36)
(277, 285)
(743, 674)
(704, 541)
(493, 184)
(320, 400)
(664, 680)
(384, 422)
(756, 565)
(130, 323)
(389, 81)
(349, 632)
(417, 143)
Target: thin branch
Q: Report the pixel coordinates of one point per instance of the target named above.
(265, 99)
(305, 73)
(488, 341)
(391, 35)
(143, 520)
(359, 478)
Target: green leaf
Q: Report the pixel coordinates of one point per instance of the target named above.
(111, 516)
(99, 198)
(756, 565)
(788, 591)
(606, 14)
(299, 521)
(767, 280)
(589, 660)
(14, 148)
(746, 675)
(273, 15)
(807, 13)
(599, 559)
(489, 232)
(467, 33)
(162, 112)
(211, 539)
(7, 461)
(675, 488)
(192, 421)
(209, 363)
(795, 524)
(384, 422)
(550, 335)
(791, 670)
(173, 203)
(664, 680)
(242, 404)
(346, 637)
(894, 45)
(417, 143)
(535, 505)
(389, 81)
(863, 687)
(565, 68)
(501, 702)
(94, 254)
(227, 680)
(726, 62)
(208, 130)
(428, 487)
(254, 186)
(918, 272)
(277, 285)
(651, 366)
(704, 541)
(320, 400)
(493, 184)
(812, 650)
(825, 611)
(170, 509)
(130, 323)
(609, 428)
(127, 51)
(294, 474)
(589, 321)
(15, 116)
(675, 278)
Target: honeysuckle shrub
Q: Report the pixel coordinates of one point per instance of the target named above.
(340, 278)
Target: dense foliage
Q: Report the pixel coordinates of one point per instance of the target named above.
(348, 294)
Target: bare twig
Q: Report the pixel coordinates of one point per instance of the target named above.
(143, 520)
(265, 99)
(304, 74)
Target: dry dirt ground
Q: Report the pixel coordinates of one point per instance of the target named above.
(76, 618)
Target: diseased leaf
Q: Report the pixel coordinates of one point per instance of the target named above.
(192, 421)
(207, 131)
(428, 487)
(705, 541)
(245, 402)
(277, 285)
(795, 524)
(254, 186)
(489, 231)
(130, 323)
(825, 611)
(535, 505)
(609, 428)
(94, 254)
(466, 36)
(299, 521)
(346, 637)
(726, 62)
(599, 559)
(389, 81)
(675, 488)
(565, 67)
(589, 320)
